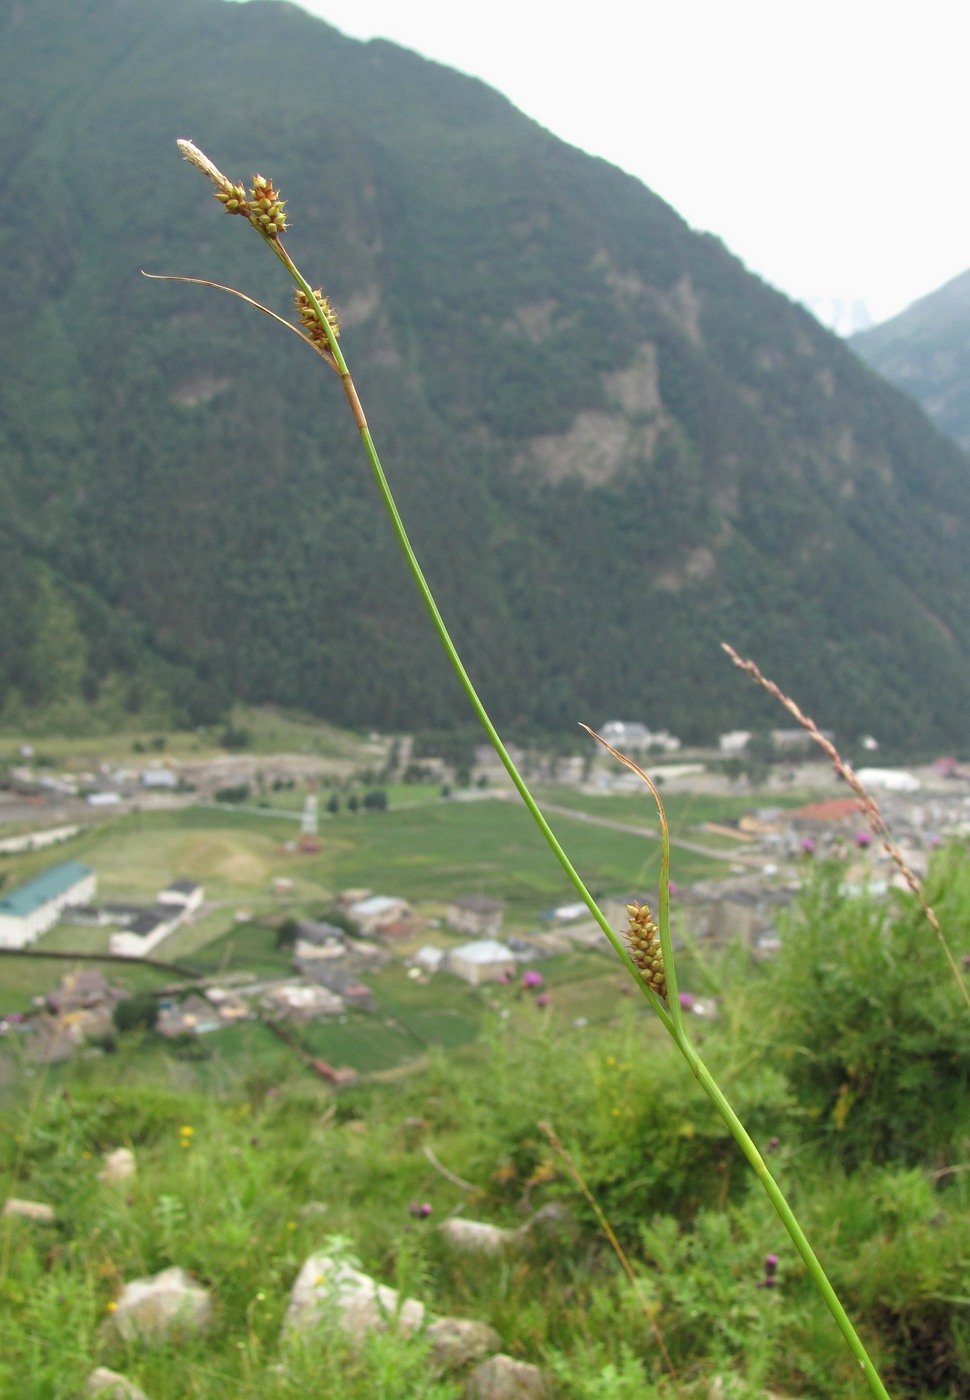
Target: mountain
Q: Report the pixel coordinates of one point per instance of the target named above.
(926, 352)
(614, 446)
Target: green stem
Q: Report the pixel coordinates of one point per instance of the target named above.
(704, 1077)
(673, 1018)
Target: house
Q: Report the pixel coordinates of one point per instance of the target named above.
(184, 895)
(301, 1002)
(373, 914)
(637, 738)
(485, 960)
(143, 930)
(476, 915)
(317, 945)
(429, 958)
(342, 983)
(194, 1015)
(29, 911)
(160, 779)
(81, 990)
(733, 743)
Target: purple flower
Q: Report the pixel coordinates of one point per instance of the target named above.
(532, 979)
(419, 1209)
(863, 838)
(774, 1144)
(808, 846)
(686, 1000)
(771, 1264)
(672, 889)
(543, 1000)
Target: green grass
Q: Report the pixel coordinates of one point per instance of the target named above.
(270, 731)
(686, 811)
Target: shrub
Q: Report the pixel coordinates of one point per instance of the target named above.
(868, 1026)
(137, 1012)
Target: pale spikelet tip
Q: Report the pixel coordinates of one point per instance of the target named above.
(201, 161)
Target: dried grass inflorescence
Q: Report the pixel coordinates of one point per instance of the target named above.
(262, 207)
(643, 941)
(867, 804)
(311, 321)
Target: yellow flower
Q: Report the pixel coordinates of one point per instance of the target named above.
(611, 1060)
(291, 1224)
(112, 1306)
(186, 1131)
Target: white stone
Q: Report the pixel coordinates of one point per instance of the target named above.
(118, 1165)
(361, 1304)
(457, 1341)
(29, 1210)
(164, 1306)
(475, 1236)
(111, 1385)
(502, 1378)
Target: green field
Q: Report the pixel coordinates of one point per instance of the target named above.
(429, 854)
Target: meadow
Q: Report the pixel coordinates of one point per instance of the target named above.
(867, 1133)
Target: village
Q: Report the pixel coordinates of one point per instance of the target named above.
(329, 962)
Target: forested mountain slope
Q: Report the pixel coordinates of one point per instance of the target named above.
(926, 351)
(613, 445)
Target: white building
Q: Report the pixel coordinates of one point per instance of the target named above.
(378, 911)
(483, 961)
(734, 742)
(475, 915)
(637, 738)
(185, 895)
(29, 911)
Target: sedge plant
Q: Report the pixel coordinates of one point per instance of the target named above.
(646, 952)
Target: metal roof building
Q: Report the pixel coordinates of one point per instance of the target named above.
(27, 912)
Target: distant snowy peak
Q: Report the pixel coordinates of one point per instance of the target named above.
(843, 315)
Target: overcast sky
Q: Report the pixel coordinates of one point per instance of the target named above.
(826, 143)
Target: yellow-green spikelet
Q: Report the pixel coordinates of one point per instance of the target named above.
(310, 319)
(643, 941)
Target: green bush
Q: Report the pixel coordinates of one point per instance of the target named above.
(867, 1024)
(136, 1012)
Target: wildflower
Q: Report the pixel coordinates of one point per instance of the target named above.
(644, 944)
(808, 846)
(186, 1131)
(771, 1267)
(291, 1224)
(542, 1001)
(774, 1144)
(112, 1306)
(532, 979)
(686, 1001)
(863, 839)
(419, 1209)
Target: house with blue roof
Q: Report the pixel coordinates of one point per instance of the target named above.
(30, 910)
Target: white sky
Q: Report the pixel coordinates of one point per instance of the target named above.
(826, 143)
